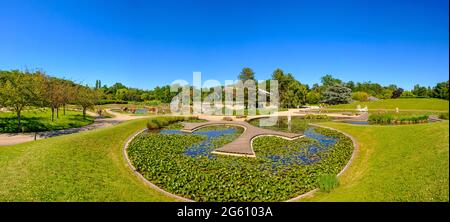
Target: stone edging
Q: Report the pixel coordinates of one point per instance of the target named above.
(151, 185)
(142, 178)
(355, 150)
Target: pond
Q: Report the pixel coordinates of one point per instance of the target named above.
(304, 154)
(182, 163)
(211, 134)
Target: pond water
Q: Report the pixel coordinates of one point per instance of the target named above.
(206, 146)
(357, 122)
(304, 155)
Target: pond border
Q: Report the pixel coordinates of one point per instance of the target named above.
(184, 199)
(141, 177)
(355, 151)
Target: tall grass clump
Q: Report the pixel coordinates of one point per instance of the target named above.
(317, 116)
(327, 182)
(160, 122)
(443, 116)
(391, 118)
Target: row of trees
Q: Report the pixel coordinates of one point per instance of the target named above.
(20, 89)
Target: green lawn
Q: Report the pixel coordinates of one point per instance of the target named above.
(38, 120)
(87, 166)
(402, 104)
(395, 163)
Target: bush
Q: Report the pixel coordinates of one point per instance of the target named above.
(360, 96)
(389, 118)
(160, 122)
(313, 116)
(443, 116)
(111, 101)
(312, 97)
(327, 182)
(337, 94)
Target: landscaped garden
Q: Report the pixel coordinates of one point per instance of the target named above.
(183, 164)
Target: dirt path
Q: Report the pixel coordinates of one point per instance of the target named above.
(7, 139)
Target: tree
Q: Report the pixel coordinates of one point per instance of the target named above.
(420, 91)
(397, 93)
(246, 74)
(337, 94)
(328, 80)
(52, 97)
(312, 97)
(360, 96)
(86, 98)
(291, 92)
(17, 92)
(440, 91)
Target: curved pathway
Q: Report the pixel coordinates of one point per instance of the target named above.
(242, 146)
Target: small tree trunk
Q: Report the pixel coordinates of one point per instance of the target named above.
(53, 113)
(18, 119)
(84, 112)
(57, 112)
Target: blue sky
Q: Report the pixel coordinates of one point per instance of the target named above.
(147, 43)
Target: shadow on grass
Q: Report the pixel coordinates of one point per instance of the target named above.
(40, 124)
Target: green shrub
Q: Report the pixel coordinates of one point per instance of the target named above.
(160, 122)
(360, 96)
(327, 182)
(443, 116)
(391, 118)
(315, 116)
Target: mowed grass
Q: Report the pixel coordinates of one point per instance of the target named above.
(87, 166)
(38, 120)
(395, 163)
(402, 104)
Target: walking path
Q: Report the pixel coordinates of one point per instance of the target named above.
(242, 146)
(7, 139)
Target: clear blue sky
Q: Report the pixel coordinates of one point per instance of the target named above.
(147, 43)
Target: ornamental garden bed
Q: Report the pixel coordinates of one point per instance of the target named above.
(182, 163)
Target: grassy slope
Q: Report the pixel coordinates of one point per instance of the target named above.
(88, 166)
(395, 163)
(40, 120)
(402, 104)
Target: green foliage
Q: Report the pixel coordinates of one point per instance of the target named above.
(391, 118)
(316, 116)
(160, 122)
(443, 116)
(337, 94)
(407, 94)
(313, 97)
(402, 104)
(161, 159)
(291, 92)
(38, 120)
(327, 182)
(360, 96)
(246, 74)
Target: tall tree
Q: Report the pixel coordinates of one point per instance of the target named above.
(86, 98)
(246, 74)
(337, 94)
(329, 80)
(17, 92)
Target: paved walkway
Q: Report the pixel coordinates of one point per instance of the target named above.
(242, 146)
